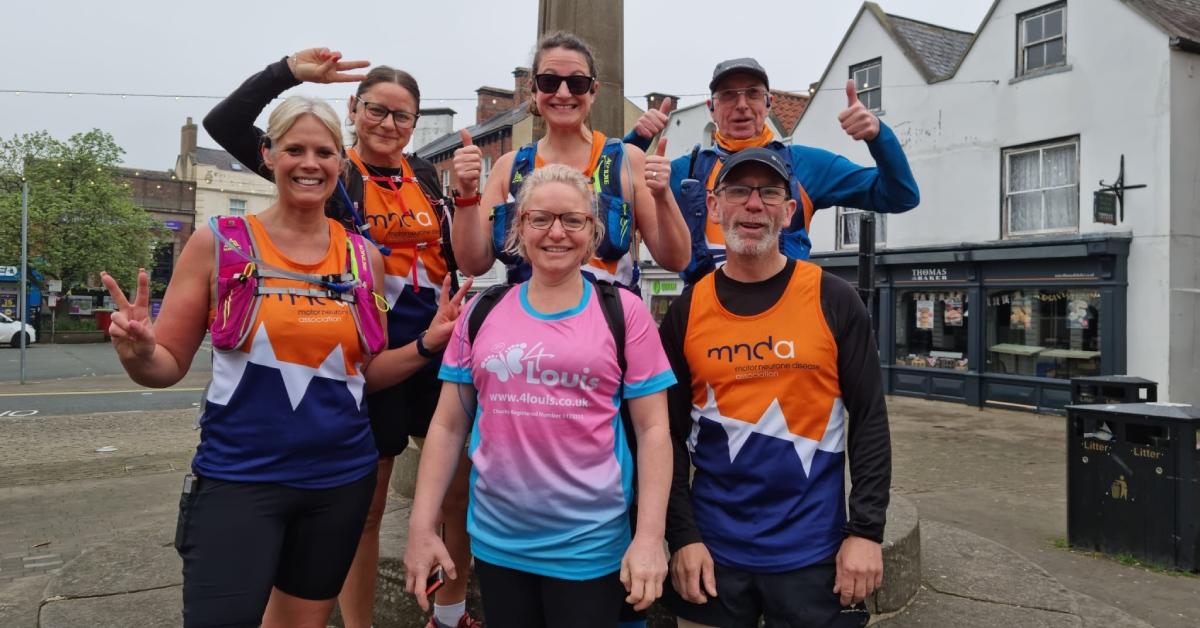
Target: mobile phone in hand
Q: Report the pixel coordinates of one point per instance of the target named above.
(434, 581)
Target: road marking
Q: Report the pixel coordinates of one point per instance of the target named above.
(18, 413)
(95, 392)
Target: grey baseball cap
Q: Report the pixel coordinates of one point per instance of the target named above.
(756, 155)
(745, 65)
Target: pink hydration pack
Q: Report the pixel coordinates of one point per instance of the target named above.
(240, 290)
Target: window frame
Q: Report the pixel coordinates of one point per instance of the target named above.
(1005, 195)
(233, 211)
(865, 67)
(446, 182)
(484, 171)
(1023, 46)
(843, 212)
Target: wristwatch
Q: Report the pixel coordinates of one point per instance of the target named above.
(422, 350)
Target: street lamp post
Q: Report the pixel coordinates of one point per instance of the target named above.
(21, 297)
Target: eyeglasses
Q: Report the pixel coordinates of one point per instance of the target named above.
(570, 221)
(730, 96)
(378, 113)
(740, 194)
(576, 84)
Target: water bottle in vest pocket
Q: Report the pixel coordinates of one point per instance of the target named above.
(502, 220)
(237, 284)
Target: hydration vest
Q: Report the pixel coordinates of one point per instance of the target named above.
(793, 239)
(240, 293)
(606, 183)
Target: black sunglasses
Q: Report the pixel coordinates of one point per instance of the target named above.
(576, 84)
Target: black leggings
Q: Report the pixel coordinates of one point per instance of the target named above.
(239, 539)
(519, 599)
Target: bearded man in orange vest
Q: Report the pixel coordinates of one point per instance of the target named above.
(776, 363)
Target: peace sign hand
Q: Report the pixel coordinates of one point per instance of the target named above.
(442, 325)
(131, 330)
(322, 65)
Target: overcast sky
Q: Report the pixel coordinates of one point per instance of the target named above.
(452, 47)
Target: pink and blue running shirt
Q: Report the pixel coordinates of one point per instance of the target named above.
(552, 475)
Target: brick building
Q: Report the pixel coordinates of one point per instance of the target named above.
(172, 203)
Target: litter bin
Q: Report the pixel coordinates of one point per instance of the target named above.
(1133, 481)
(1113, 389)
(103, 319)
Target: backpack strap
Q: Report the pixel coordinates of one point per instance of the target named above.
(522, 165)
(483, 305)
(614, 315)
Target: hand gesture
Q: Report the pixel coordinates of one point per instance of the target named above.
(468, 164)
(131, 330)
(643, 570)
(322, 65)
(653, 121)
(857, 121)
(425, 552)
(859, 570)
(658, 170)
(442, 325)
(692, 573)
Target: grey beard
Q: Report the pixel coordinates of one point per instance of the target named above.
(745, 246)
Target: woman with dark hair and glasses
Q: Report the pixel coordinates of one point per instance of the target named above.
(631, 197)
(395, 200)
(538, 386)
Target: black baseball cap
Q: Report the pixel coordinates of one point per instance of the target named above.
(756, 155)
(744, 65)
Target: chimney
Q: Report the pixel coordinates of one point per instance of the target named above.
(654, 101)
(187, 140)
(521, 87)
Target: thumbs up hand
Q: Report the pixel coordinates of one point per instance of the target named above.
(857, 121)
(653, 121)
(468, 164)
(658, 170)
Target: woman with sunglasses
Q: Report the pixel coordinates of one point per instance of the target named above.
(538, 387)
(395, 200)
(563, 91)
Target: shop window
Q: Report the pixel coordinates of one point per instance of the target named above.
(931, 329)
(848, 226)
(1041, 38)
(868, 81)
(659, 304)
(1043, 332)
(1041, 189)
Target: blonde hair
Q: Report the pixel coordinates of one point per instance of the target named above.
(289, 111)
(554, 173)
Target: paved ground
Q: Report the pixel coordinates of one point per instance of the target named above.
(991, 473)
(46, 361)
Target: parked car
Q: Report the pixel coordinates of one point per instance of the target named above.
(10, 332)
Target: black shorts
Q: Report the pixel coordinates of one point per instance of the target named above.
(519, 599)
(239, 539)
(403, 410)
(803, 597)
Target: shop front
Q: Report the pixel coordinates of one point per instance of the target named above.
(1003, 323)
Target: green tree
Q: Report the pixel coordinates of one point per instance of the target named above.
(81, 217)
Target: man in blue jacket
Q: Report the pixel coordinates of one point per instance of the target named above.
(740, 101)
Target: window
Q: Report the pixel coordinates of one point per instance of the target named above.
(1041, 38)
(483, 173)
(1041, 189)
(446, 182)
(931, 329)
(237, 207)
(868, 80)
(1049, 332)
(848, 224)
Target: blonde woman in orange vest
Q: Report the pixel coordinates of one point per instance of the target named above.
(395, 200)
(285, 469)
(771, 355)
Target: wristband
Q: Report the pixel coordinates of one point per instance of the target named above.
(422, 350)
(466, 201)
